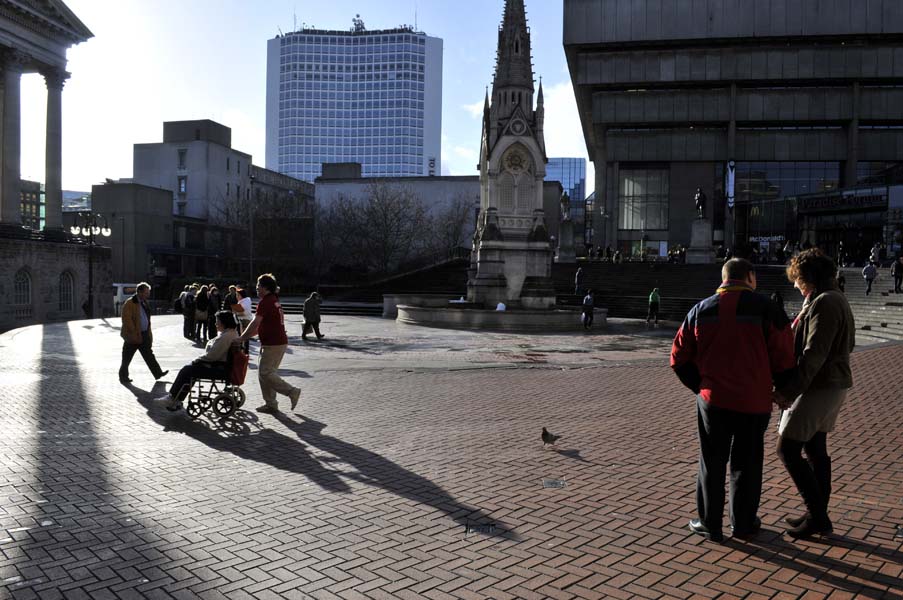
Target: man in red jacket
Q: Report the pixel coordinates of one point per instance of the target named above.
(730, 350)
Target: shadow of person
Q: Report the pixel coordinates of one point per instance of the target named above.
(243, 436)
(378, 471)
(825, 568)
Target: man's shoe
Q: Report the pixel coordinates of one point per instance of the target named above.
(321, 336)
(295, 396)
(796, 521)
(697, 527)
(267, 410)
(124, 380)
(174, 407)
(162, 375)
(747, 532)
(810, 527)
(304, 337)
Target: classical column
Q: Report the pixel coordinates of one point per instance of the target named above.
(53, 186)
(13, 64)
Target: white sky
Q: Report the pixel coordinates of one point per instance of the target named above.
(166, 60)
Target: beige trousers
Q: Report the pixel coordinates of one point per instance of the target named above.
(270, 382)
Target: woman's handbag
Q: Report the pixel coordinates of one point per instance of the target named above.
(200, 315)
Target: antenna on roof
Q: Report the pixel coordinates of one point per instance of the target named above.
(279, 29)
(294, 18)
(415, 15)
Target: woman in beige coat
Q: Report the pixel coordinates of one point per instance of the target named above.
(824, 336)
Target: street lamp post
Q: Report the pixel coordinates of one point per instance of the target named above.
(251, 178)
(92, 224)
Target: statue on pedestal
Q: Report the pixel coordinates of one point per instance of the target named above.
(700, 202)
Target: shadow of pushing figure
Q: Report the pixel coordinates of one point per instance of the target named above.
(243, 436)
(378, 471)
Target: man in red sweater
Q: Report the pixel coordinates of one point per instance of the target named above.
(269, 324)
(730, 350)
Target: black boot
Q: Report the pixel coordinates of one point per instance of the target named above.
(811, 526)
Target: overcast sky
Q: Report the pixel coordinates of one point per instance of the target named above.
(165, 60)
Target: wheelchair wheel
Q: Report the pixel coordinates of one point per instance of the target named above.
(194, 410)
(205, 401)
(223, 405)
(239, 395)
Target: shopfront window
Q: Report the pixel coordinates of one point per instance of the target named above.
(765, 194)
(643, 199)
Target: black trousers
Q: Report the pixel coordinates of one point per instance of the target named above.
(868, 286)
(202, 330)
(188, 326)
(308, 325)
(147, 353)
(898, 284)
(727, 435)
(588, 317)
(653, 312)
(812, 476)
(196, 370)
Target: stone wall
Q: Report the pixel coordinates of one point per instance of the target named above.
(45, 262)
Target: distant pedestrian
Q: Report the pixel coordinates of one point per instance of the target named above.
(269, 324)
(731, 348)
(202, 306)
(243, 312)
(312, 316)
(824, 336)
(896, 270)
(188, 312)
(617, 256)
(841, 281)
(778, 299)
(231, 298)
(578, 282)
(215, 304)
(654, 303)
(588, 309)
(870, 274)
(136, 334)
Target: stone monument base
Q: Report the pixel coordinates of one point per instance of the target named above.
(469, 317)
(700, 251)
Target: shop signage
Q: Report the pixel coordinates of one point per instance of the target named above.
(766, 238)
(844, 201)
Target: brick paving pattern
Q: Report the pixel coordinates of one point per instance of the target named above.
(411, 483)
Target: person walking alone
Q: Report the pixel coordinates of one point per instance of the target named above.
(654, 302)
(896, 270)
(269, 324)
(136, 334)
(870, 274)
(731, 348)
(312, 316)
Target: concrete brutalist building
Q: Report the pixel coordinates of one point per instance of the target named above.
(805, 96)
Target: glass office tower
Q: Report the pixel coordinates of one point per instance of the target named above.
(372, 97)
(571, 172)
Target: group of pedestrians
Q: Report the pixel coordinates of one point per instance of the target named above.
(234, 324)
(803, 367)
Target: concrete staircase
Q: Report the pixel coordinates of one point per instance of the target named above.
(879, 316)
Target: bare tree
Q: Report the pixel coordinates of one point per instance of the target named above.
(452, 227)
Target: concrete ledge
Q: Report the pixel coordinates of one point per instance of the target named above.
(559, 319)
(391, 302)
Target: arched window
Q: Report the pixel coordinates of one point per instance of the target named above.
(22, 308)
(506, 192)
(525, 192)
(67, 288)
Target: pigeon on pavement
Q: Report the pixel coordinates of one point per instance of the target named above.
(548, 438)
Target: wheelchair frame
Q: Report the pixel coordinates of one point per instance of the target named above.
(220, 395)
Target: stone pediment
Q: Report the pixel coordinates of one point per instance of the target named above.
(50, 18)
(517, 125)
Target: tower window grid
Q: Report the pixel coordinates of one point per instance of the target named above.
(353, 98)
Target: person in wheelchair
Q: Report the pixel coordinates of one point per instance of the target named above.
(212, 365)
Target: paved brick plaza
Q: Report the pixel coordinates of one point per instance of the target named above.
(413, 469)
